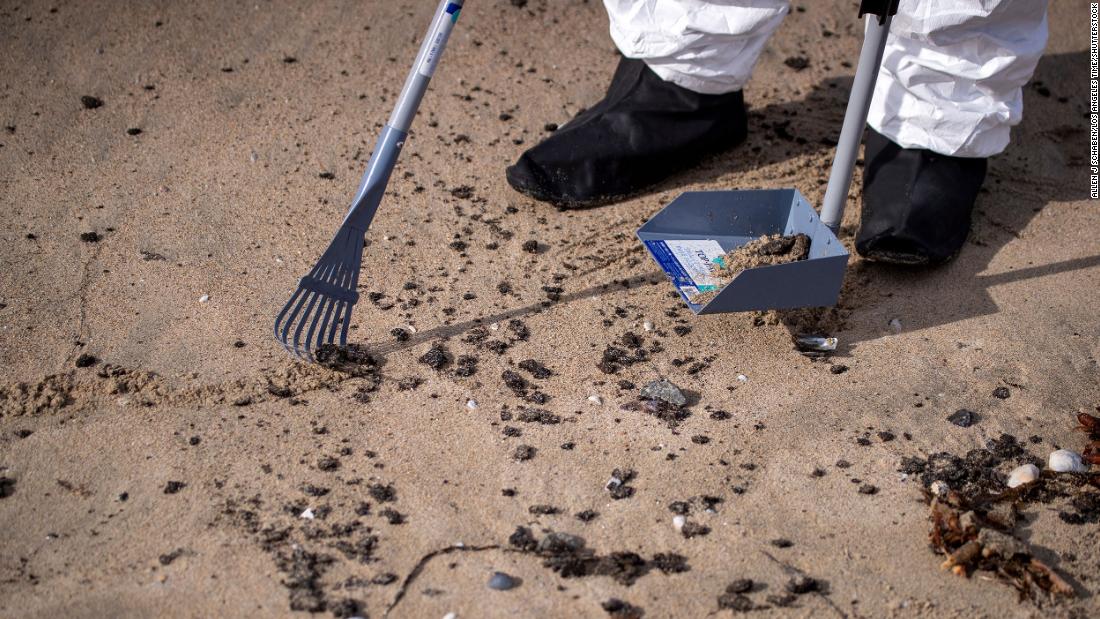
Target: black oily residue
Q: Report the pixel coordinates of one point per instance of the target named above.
(537, 415)
(303, 570)
(614, 359)
(619, 609)
(976, 472)
(535, 369)
(1086, 509)
(569, 556)
(436, 358)
(353, 360)
(670, 414)
(465, 366)
(383, 493)
(565, 554)
(514, 381)
(618, 487)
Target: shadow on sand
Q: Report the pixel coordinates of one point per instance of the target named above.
(933, 297)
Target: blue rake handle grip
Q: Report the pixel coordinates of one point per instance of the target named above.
(392, 138)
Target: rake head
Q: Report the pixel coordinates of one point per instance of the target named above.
(320, 309)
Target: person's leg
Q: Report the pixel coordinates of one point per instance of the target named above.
(948, 92)
(705, 47)
(674, 98)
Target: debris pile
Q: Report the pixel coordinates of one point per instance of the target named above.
(974, 509)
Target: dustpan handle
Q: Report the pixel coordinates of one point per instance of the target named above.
(859, 101)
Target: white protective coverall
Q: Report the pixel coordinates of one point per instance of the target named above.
(951, 78)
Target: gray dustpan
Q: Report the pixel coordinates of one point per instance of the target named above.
(687, 235)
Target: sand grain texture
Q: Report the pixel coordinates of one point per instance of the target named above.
(255, 122)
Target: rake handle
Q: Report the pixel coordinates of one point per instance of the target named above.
(855, 117)
(392, 138)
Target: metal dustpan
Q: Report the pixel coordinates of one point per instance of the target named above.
(697, 227)
(731, 219)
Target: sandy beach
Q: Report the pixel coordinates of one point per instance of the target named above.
(162, 455)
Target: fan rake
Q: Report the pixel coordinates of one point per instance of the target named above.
(320, 309)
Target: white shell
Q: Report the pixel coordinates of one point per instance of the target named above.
(204, 298)
(1023, 475)
(595, 399)
(1066, 461)
(678, 522)
(940, 488)
(471, 404)
(648, 326)
(742, 378)
(307, 514)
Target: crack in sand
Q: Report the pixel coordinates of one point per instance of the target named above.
(82, 293)
(423, 563)
(792, 570)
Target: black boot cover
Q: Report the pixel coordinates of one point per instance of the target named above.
(916, 203)
(644, 130)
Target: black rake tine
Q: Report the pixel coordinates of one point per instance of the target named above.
(313, 296)
(348, 281)
(285, 310)
(352, 285)
(320, 317)
(288, 340)
(345, 321)
(330, 303)
(295, 317)
(337, 312)
(283, 337)
(303, 346)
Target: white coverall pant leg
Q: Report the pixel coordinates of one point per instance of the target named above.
(951, 78)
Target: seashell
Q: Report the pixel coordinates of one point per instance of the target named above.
(1023, 475)
(1066, 461)
(940, 488)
